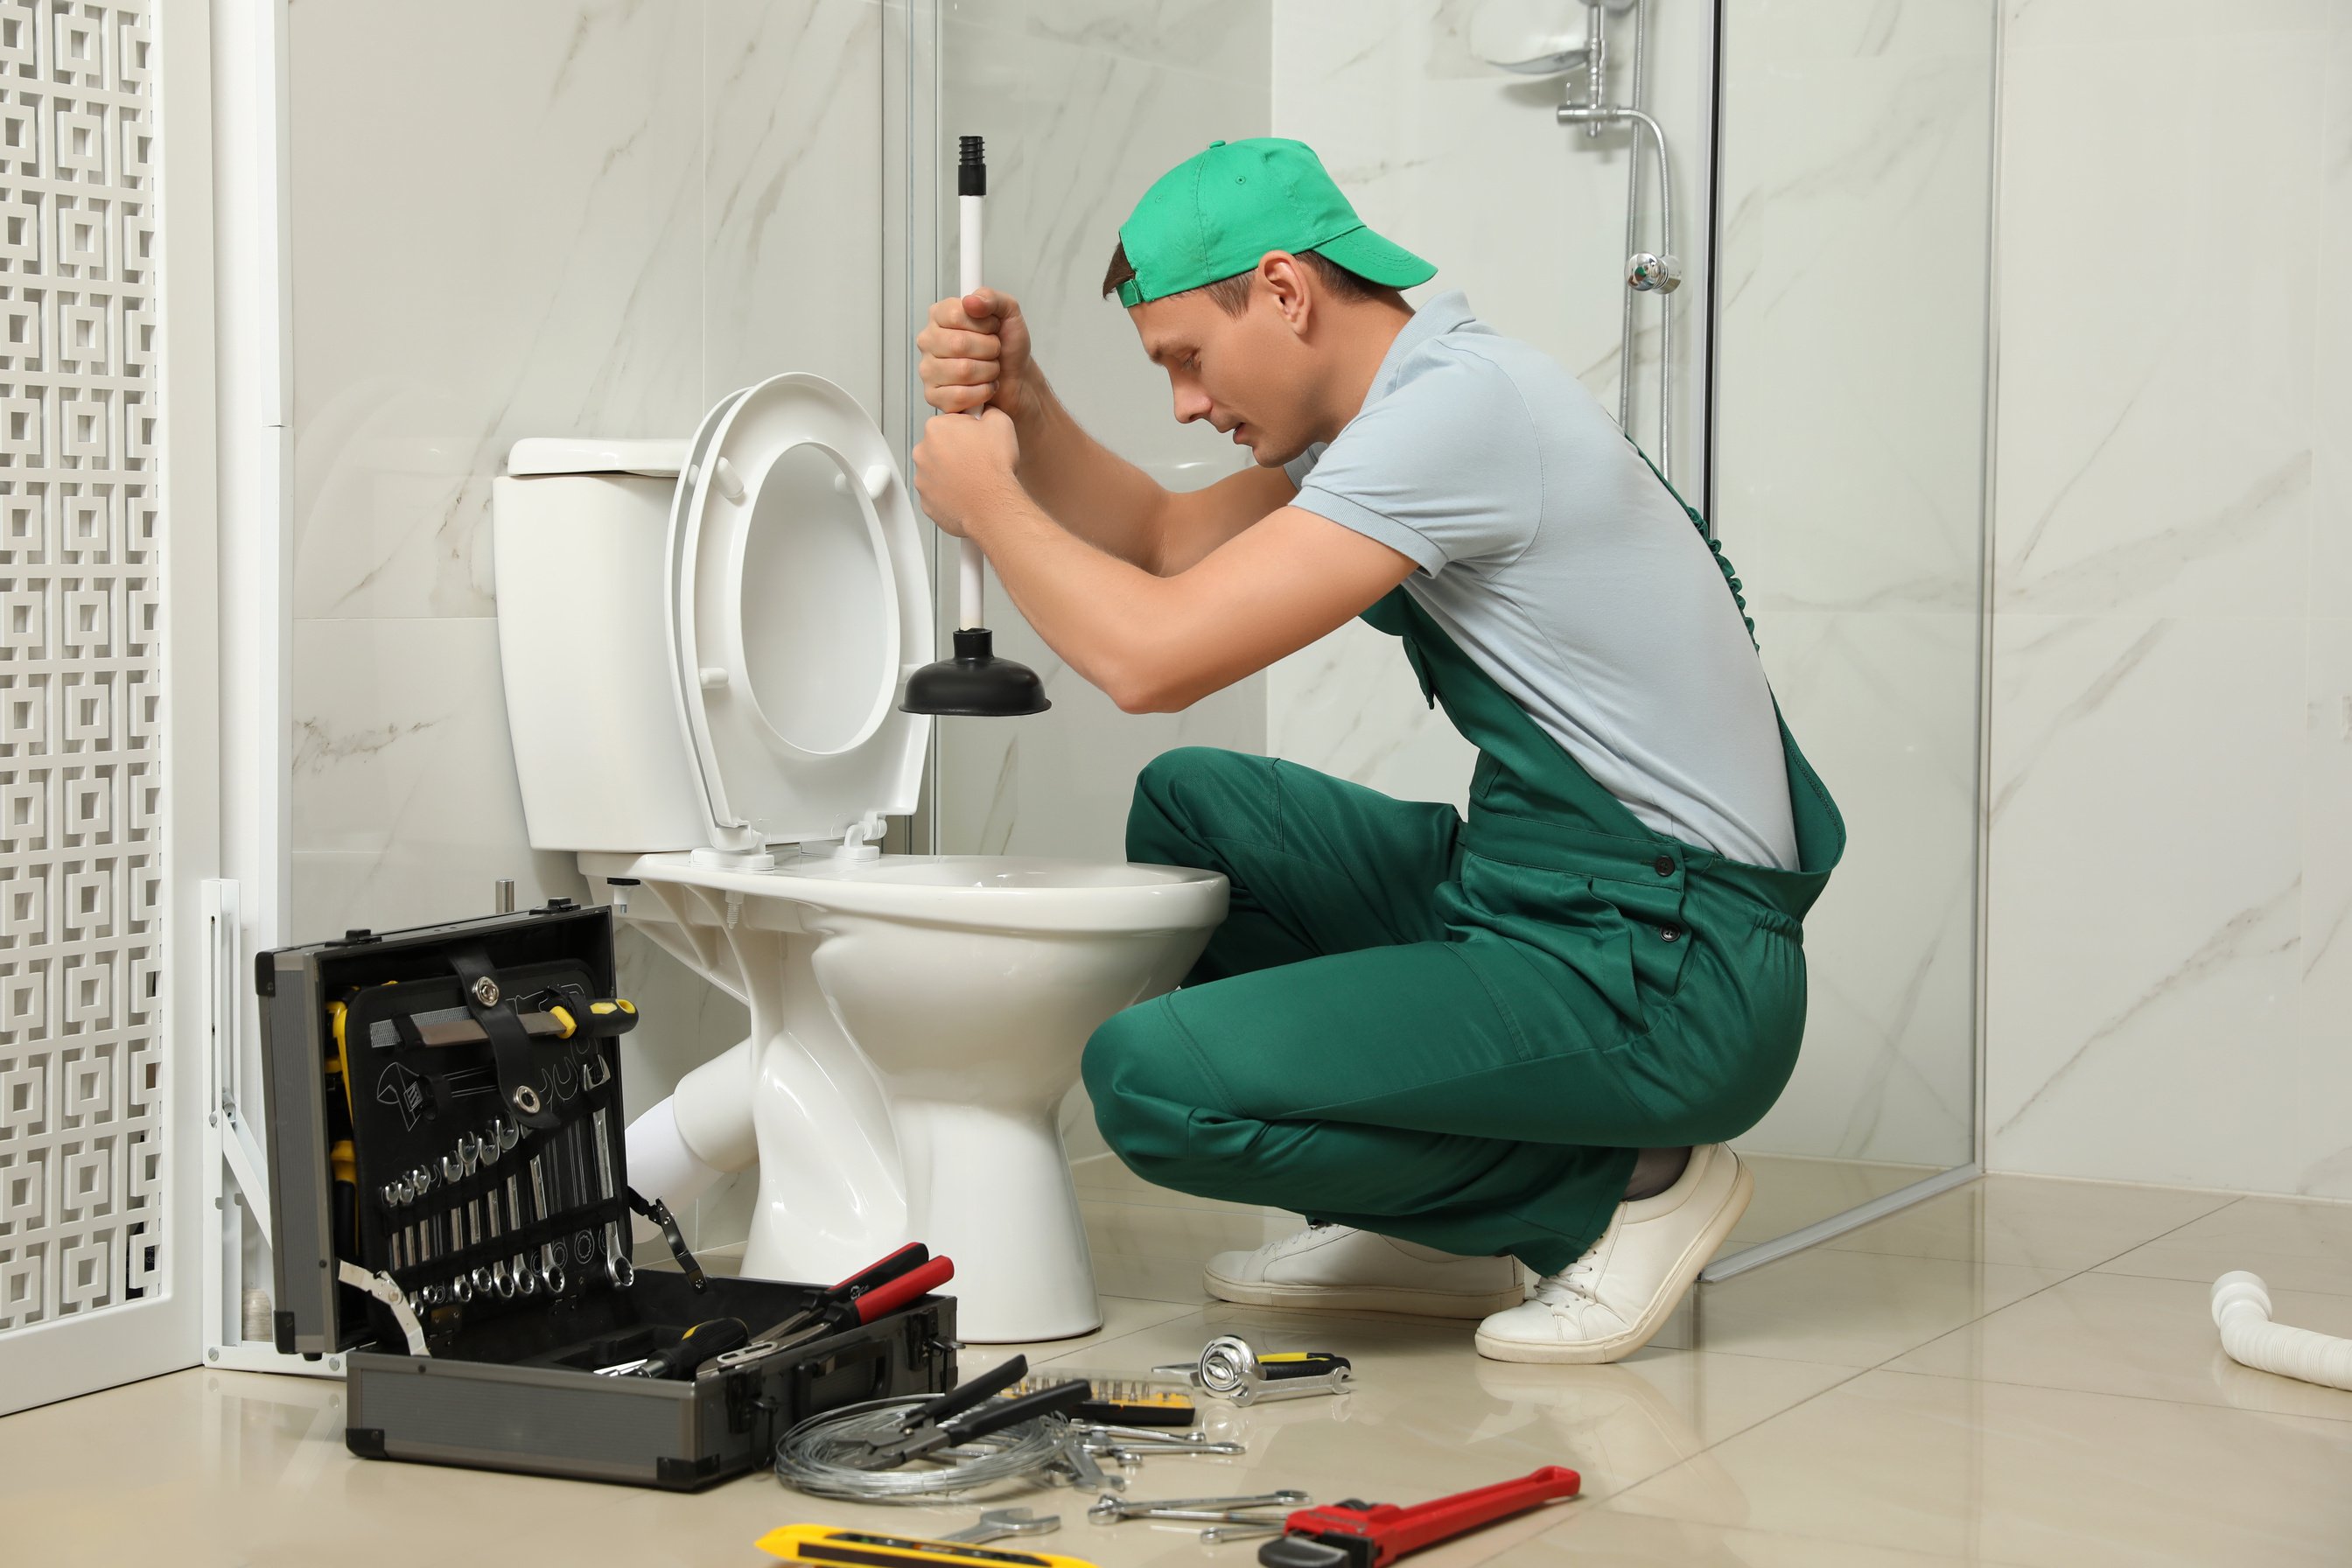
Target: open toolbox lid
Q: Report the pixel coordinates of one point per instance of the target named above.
(308, 993)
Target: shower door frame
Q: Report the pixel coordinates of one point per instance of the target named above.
(1736, 1263)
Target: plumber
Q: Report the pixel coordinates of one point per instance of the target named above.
(1458, 1045)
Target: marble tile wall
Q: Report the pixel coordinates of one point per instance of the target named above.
(537, 217)
(2172, 746)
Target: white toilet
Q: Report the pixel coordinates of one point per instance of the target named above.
(703, 646)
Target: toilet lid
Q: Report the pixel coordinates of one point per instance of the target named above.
(798, 604)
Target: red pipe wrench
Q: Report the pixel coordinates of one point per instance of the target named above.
(1354, 1534)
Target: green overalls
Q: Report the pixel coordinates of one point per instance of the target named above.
(1453, 1033)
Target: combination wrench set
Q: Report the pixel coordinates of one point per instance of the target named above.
(492, 1189)
(488, 1186)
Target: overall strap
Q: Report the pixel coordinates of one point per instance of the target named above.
(1714, 545)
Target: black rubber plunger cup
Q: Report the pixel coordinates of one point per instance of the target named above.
(975, 683)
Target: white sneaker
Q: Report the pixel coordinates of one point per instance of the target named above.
(1609, 1302)
(1340, 1267)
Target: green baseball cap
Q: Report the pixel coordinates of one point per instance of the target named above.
(1218, 212)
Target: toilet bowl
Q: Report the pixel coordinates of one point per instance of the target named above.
(702, 645)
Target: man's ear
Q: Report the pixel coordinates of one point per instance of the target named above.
(1285, 284)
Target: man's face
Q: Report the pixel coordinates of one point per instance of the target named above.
(1246, 374)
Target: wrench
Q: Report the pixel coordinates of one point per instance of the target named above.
(1140, 1440)
(617, 1267)
(1086, 1473)
(524, 1280)
(469, 1159)
(603, 1153)
(1210, 1510)
(550, 1271)
(999, 1522)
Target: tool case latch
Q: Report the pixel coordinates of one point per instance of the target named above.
(658, 1212)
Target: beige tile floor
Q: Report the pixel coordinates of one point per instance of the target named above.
(2019, 1372)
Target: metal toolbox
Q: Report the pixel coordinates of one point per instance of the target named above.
(450, 1204)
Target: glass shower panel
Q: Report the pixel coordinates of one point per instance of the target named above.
(1848, 424)
(1466, 163)
(1830, 174)
(1082, 104)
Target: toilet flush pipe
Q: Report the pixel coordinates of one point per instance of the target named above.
(970, 584)
(2242, 1310)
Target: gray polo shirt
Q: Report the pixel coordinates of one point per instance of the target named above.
(1555, 559)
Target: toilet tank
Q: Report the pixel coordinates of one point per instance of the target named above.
(583, 644)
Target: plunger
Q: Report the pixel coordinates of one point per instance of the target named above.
(975, 683)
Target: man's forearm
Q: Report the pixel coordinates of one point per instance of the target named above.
(1084, 486)
(1084, 601)
(1157, 644)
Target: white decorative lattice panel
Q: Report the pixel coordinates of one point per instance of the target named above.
(82, 902)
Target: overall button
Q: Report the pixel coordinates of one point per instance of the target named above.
(1670, 933)
(1665, 865)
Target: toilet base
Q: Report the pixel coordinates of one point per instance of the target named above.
(989, 1188)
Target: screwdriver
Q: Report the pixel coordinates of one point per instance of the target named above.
(714, 1336)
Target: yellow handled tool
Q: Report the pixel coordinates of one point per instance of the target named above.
(456, 1026)
(868, 1549)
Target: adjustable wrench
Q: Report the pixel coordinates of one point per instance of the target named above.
(1355, 1534)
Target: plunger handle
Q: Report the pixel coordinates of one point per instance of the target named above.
(971, 189)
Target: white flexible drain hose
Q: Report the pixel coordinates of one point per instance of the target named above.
(2242, 1310)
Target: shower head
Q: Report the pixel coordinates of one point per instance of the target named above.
(1534, 37)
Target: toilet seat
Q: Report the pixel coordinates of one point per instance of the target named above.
(797, 604)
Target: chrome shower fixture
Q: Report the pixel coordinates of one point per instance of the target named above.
(1530, 37)
(1650, 273)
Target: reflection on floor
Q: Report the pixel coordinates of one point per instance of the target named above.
(1149, 1241)
(2018, 1372)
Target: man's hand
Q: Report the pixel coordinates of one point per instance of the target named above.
(964, 467)
(976, 351)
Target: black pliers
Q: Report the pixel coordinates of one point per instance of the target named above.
(942, 1422)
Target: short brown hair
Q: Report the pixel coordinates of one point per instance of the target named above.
(1231, 294)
